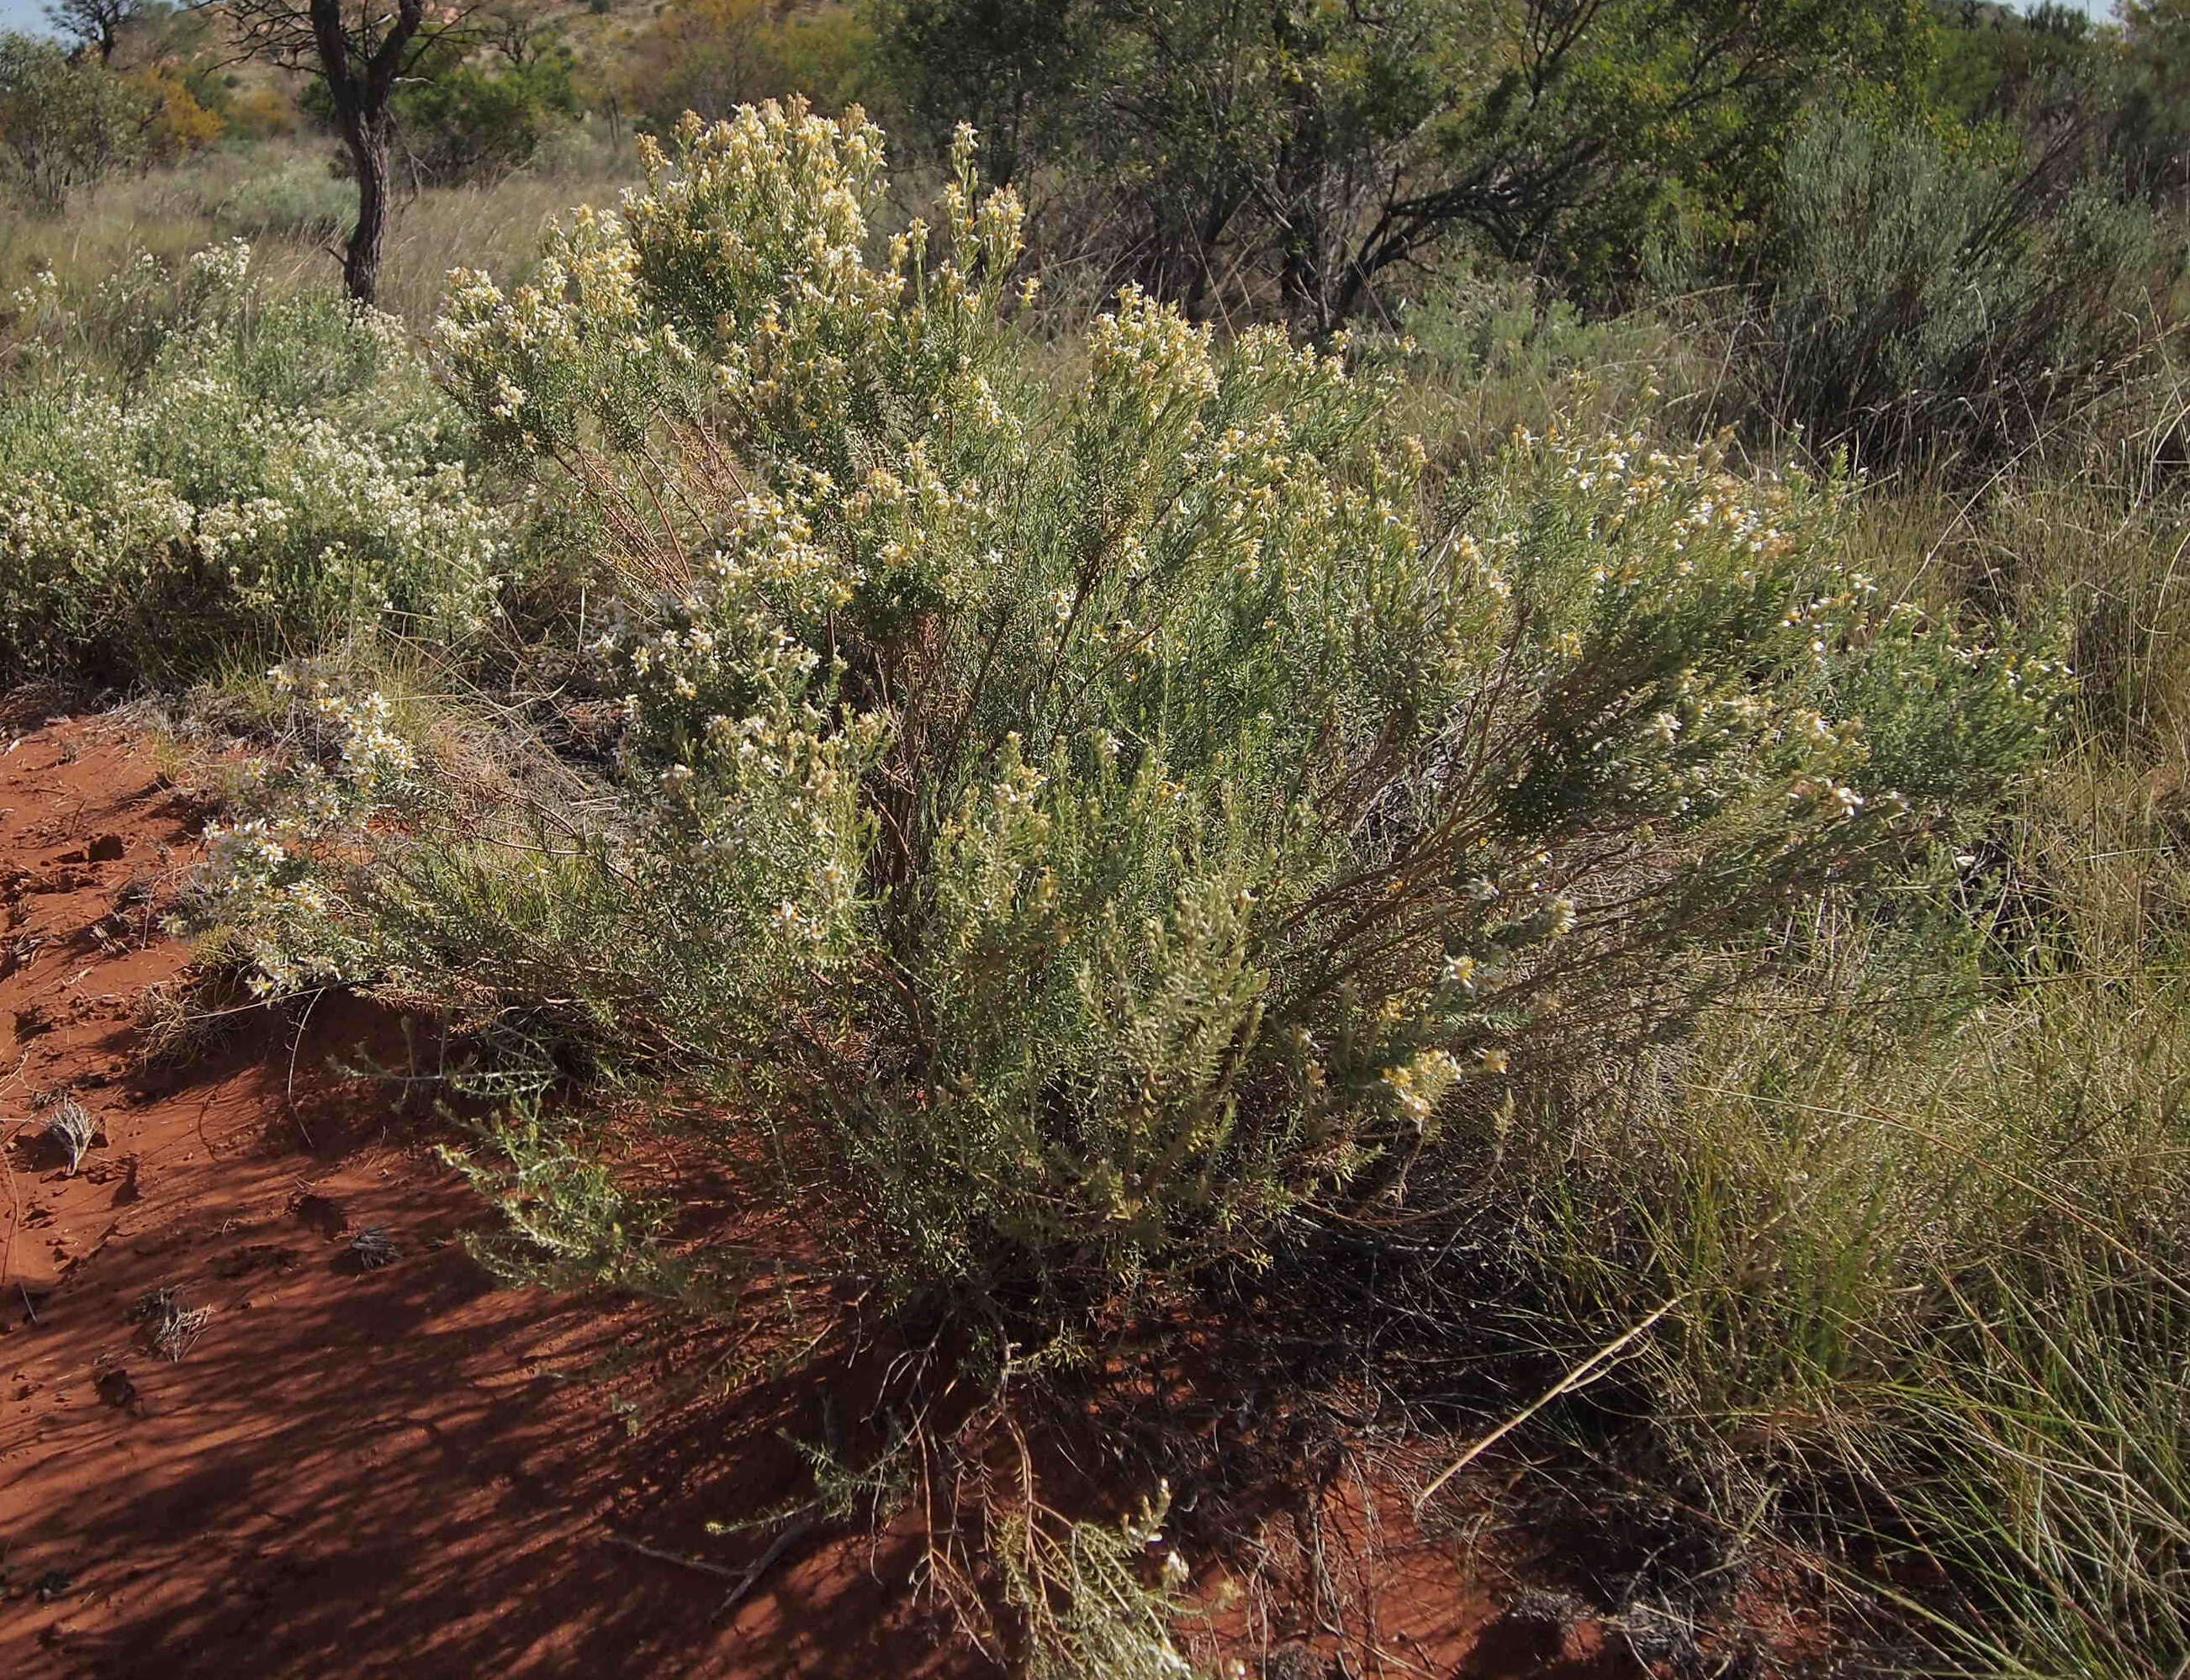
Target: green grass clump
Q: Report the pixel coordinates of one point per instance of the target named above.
(1916, 1202)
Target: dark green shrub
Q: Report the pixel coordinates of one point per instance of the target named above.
(1308, 156)
(473, 124)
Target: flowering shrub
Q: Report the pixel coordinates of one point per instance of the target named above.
(250, 474)
(1070, 826)
(259, 875)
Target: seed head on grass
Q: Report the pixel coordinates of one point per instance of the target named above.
(68, 1124)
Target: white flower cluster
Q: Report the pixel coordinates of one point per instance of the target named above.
(730, 721)
(197, 507)
(739, 271)
(262, 875)
(1148, 355)
(1417, 1086)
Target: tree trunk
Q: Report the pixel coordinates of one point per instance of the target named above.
(368, 140)
(360, 74)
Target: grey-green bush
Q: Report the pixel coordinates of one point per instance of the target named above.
(64, 122)
(1065, 829)
(303, 198)
(1932, 302)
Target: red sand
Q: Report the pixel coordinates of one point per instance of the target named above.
(408, 1470)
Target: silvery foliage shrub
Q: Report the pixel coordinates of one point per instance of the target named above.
(302, 199)
(188, 469)
(1068, 825)
(1931, 301)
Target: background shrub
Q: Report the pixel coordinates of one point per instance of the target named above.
(251, 476)
(710, 56)
(1930, 301)
(64, 124)
(474, 123)
(302, 198)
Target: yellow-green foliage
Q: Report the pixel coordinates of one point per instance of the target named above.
(1076, 826)
(1050, 818)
